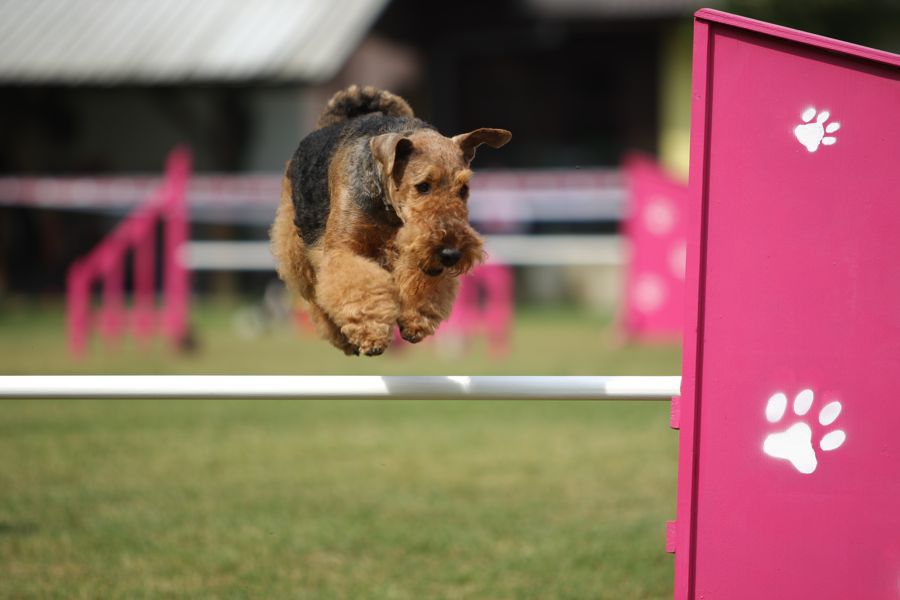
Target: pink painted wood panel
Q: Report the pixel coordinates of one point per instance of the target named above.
(484, 305)
(789, 466)
(655, 229)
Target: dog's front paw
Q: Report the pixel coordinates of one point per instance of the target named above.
(415, 328)
(349, 349)
(370, 339)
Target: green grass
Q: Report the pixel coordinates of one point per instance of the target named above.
(282, 499)
(544, 342)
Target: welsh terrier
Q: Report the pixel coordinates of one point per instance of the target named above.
(372, 228)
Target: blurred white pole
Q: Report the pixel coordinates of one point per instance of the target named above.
(339, 387)
(511, 250)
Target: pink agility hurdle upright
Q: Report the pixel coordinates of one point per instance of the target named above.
(789, 459)
(106, 263)
(656, 230)
(484, 305)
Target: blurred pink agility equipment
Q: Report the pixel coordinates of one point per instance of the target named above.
(484, 306)
(656, 231)
(789, 459)
(106, 264)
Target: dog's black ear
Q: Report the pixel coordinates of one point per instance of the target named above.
(391, 150)
(469, 142)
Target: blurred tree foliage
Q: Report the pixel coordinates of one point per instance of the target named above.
(873, 23)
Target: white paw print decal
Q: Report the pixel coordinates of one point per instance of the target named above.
(795, 443)
(812, 133)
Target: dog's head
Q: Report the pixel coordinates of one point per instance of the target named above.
(427, 184)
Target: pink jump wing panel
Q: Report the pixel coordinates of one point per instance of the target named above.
(485, 304)
(655, 229)
(789, 466)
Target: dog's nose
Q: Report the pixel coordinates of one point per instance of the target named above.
(450, 256)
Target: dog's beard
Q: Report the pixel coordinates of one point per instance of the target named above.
(423, 246)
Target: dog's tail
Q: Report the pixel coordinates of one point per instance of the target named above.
(356, 101)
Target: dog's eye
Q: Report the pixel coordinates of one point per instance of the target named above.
(423, 187)
(464, 192)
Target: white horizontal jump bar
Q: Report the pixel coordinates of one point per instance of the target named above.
(339, 387)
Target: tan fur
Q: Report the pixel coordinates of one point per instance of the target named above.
(288, 249)
(362, 278)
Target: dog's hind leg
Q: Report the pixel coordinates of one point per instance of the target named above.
(293, 265)
(288, 250)
(360, 298)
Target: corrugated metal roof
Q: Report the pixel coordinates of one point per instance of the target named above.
(167, 41)
(618, 8)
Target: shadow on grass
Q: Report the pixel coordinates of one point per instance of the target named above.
(17, 529)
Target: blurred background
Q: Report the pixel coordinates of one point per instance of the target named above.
(583, 213)
(94, 95)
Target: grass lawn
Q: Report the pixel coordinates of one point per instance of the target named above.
(335, 499)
